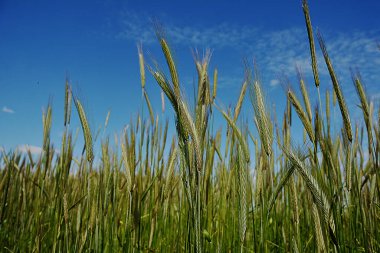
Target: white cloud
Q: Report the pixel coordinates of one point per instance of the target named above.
(274, 82)
(276, 51)
(7, 110)
(135, 28)
(375, 96)
(223, 35)
(227, 82)
(24, 148)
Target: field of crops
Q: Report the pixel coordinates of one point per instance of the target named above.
(204, 190)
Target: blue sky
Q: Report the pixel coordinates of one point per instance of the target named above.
(95, 42)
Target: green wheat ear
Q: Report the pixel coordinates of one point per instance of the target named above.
(337, 89)
(309, 28)
(68, 99)
(239, 135)
(215, 84)
(365, 107)
(46, 122)
(285, 178)
(305, 94)
(149, 106)
(141, 64)
(262, 118)
(301, 114)
(240, 100)
(86, 130)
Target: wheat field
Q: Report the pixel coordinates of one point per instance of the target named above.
(203, 190)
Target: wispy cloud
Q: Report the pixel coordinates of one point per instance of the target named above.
(35, 150)
(7, 110)
(275, 51)
(134, 27)
(274, 83)
(24, 148)
(225, 82)
(375, 96)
